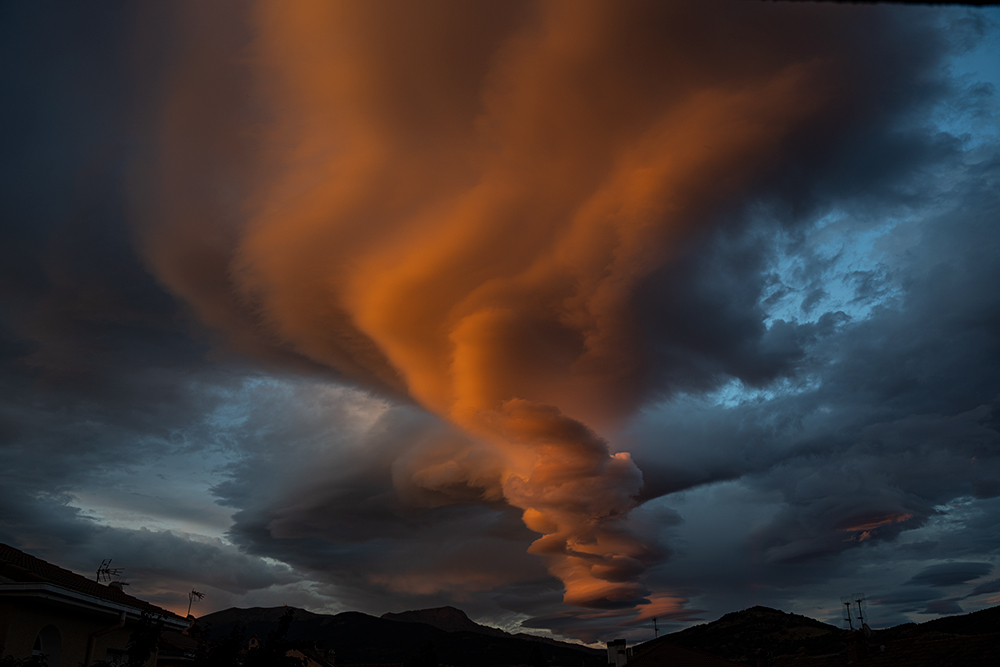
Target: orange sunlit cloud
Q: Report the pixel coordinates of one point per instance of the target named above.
(868, 528)
(875, 522)
(455, 204)
(663, 607)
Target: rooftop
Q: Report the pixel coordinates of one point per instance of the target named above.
(18, 571)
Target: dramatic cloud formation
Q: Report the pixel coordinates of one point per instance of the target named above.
(576, 314)
(472, 236)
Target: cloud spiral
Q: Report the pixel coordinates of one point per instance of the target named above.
(456, 204)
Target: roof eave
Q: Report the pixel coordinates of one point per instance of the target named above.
(60, 594)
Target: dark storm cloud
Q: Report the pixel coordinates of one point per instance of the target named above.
(897, 419)
(909, 599)
(340, 504)
(984, 588)
(950, 574)
(80, 315)
(158, 564)
(100, 373)
(163, 562)
(889, 382)
(943, 607)
(961, 530)
(85, 335)
(703, 315)
(705, 323)
(877, 423)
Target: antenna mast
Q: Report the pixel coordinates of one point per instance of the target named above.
(191, 596)
(847, 612)
(107, 574)
(656, 630)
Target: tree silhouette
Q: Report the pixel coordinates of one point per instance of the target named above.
(272, 651)
(32, 661)
(142, 643)
(232, 651)
(426, 657)
(224, 653)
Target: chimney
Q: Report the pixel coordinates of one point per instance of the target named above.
(117, 585)
(617, 653)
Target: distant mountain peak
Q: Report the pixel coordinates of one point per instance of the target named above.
(449, 619)
(433, 612)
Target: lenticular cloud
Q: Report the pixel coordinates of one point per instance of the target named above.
(455, 203)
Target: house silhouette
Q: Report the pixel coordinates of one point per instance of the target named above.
(45, 609)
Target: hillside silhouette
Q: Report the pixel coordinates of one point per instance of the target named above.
(754, 636)
(780, 639)
(360, 639)
(738, 636)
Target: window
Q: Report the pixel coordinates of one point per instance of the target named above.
(48, 643)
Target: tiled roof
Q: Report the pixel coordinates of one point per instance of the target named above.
(25, 568)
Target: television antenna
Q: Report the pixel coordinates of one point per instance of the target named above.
(846, 601)
(191, 596)
(656, 630)
(862, 605)
(107, 574)
(855, 607)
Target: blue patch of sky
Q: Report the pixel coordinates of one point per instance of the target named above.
(734, 393)
(844, 263)
(838, 266)
(840, 263)
(976, 71)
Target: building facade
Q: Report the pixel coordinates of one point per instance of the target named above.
(48, 610)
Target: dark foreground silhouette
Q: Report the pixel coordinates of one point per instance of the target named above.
(758, 637)
(360, 639)
(764, 636)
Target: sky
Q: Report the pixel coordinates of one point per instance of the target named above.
(568, 314)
